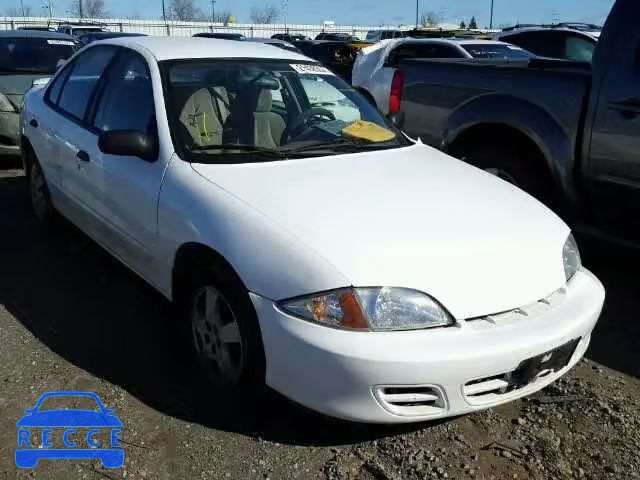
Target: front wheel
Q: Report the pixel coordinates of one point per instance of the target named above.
(224, 330)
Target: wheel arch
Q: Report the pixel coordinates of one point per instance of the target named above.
(192, 254)
(493, 118)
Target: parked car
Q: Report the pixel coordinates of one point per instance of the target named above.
(375, 71)
(337, 56)
(358, 273)
(274, 42)
(25, 56)
(77, 30)
(558, 41)
(221, 35)
(337, 37)
(87, 38)
(377, 35)
(566, 132)
(290, 37)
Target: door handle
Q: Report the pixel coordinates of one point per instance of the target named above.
(82, 155)
(34, 123)
(628, 108)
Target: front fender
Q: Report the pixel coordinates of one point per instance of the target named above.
(269, 260)
(557, 145)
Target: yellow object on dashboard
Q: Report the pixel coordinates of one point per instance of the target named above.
(368, 131)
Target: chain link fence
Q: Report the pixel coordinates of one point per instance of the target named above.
(187, 29)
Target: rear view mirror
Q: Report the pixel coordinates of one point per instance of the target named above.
(131, 143)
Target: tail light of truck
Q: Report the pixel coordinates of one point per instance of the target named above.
(395, 97)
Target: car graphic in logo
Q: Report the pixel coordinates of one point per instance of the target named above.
(27, 455)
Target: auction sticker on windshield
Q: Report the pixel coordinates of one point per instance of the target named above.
(60, 42)
(315, 69)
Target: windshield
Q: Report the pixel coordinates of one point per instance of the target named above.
(77, 31)
(39, 55)
(492, 50)
(268, 106)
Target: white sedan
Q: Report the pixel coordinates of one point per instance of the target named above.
(356, 272)
(377, 76)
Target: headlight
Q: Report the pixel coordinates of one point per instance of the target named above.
(6, 105)
(571, 257)
(381, 309)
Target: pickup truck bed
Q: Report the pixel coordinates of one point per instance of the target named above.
(553, 89)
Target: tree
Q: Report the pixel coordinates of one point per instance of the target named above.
(185, 10)
(472, 24)
(94, 9)
(267, 14)
(463, 25)
(429, 19)
(88, 9)
(223, 17)
(22, 11)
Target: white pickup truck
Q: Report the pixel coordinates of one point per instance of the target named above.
(358, 273)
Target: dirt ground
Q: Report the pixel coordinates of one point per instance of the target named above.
(71, 318)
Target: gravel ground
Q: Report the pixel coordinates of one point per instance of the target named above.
(71, 318)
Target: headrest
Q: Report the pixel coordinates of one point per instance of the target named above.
(264, 101)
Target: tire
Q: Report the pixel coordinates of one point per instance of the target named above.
(522, 169)
(230, 357)
(39, 194)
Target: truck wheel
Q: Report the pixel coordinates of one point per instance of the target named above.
(39, 193)
(223, 328)
(522, 169)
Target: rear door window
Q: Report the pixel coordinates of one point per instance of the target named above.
(423, 50)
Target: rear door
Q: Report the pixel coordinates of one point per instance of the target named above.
(66, 127)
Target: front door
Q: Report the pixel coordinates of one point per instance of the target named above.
(123, 190)
(613, 168)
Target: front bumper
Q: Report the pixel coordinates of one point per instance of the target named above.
(9, 143)
(401, 377)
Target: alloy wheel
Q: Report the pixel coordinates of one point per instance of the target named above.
(216, 336)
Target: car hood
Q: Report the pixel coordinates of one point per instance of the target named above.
(415, 218)
(15, 86)
(69, 418)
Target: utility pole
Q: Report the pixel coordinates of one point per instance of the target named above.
(164, 15)
(285, 8)
(491, 20)
(213, 12)
(417, 9)
(22, 6)
(80, 9)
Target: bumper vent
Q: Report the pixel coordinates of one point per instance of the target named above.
(414, 400)
(489, 389)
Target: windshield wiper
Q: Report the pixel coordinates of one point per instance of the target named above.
(341, 142)
(242, 148)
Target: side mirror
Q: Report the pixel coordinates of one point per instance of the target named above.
(131, 143)
(397, 118)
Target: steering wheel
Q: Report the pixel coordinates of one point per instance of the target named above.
(303, 119)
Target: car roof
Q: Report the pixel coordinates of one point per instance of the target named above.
(113, 34)
(542, 28)
(268, 40)
(176, 48)
(34, 34)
